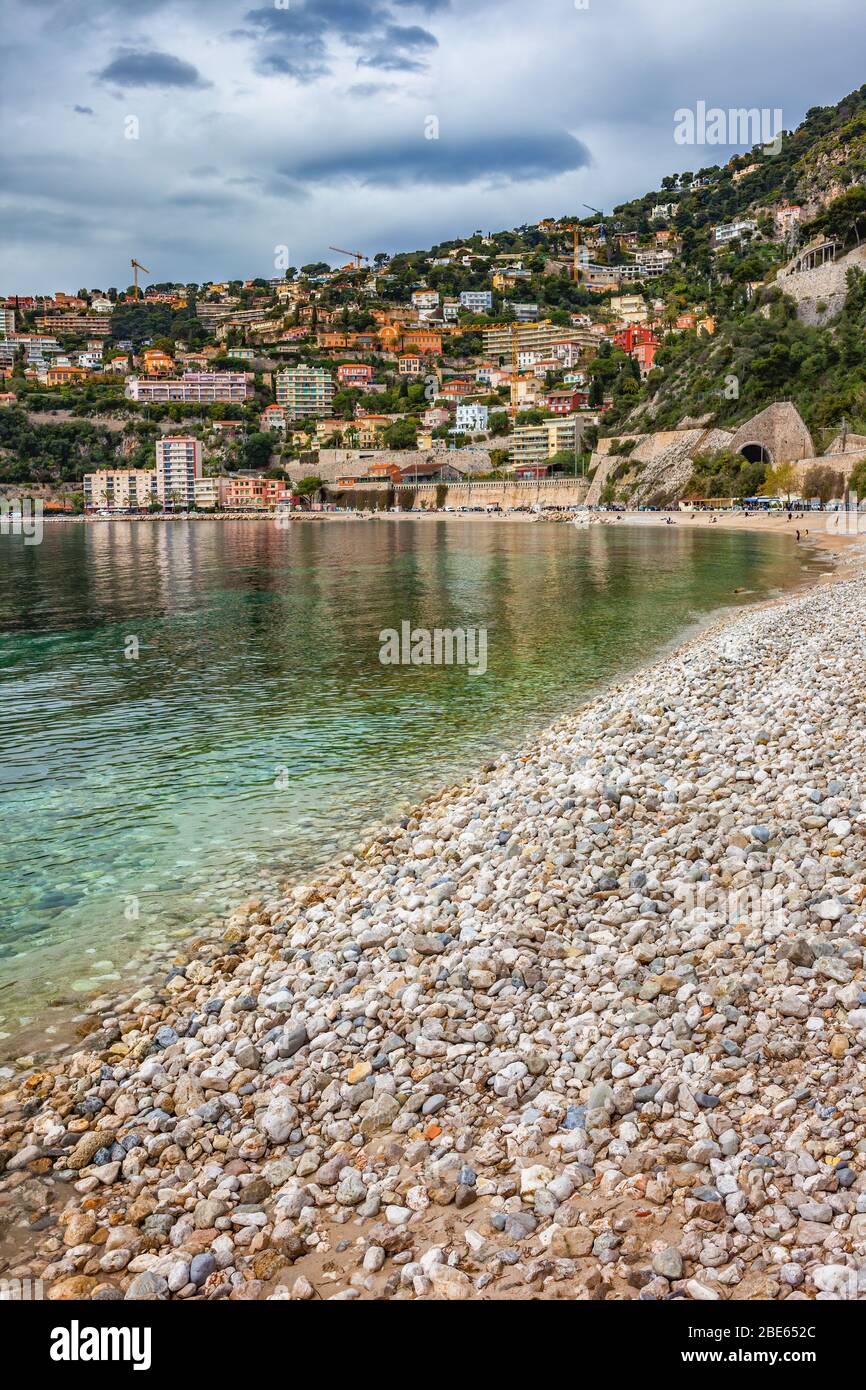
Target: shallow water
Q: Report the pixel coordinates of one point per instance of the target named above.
(256, 733)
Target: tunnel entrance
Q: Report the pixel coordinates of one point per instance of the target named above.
(755, 453)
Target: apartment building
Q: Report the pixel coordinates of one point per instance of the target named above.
(76, 325)
(409, 364)
(210, 494)
(205, 388)
(535, 444)
(262, 493)
(305, 391)
(525, 313)
(119, 489)
(7, 320)
(477, 301)
(425, 299)
(178, 464)
(530, 337)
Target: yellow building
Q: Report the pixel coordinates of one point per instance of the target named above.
(119, 489)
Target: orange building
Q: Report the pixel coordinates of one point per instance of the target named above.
(157, 363)
(62, 376)
(257, 492)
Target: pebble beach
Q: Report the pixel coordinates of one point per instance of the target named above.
(589, 1026)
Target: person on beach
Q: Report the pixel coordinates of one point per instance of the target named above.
(798, 535)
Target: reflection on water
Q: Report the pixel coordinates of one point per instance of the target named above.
(257, 733)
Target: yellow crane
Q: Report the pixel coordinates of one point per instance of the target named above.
(357, 256)
(515, 371)
(575, 230)
(136, 267)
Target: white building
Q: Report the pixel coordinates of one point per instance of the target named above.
(425, 299)
(730, 231)
(477, 301)
(178, 465)
(470, 418)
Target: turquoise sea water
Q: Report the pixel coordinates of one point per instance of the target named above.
(257, 733)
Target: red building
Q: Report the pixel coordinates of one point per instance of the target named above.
(639, 342)
(566, 401)
(355, 374)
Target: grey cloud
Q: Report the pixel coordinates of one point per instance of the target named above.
(296, 42)
(138, 68)
(83, 110)
(518, 157)
(370, 89)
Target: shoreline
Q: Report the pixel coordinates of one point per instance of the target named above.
(53, 1031)
(270, 1132)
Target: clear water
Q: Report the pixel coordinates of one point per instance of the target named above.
(257, 733)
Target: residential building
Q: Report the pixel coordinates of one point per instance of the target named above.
(156, 362)
(425, 299)
(119, 489)
(477, 301)
(263, 493)
(435, 416)
(62, 374)
(355, 374)
(525, 313)
(630, 308)
(76, 325)
(566, 401)
(542, 336)
(470, 418)
(409, 364)
(7, 320)
(305, 391)
(634, 336)
(210, 493)
(788, 218)
(178, 464)
(204, 388)
(732, 231)
(535, 444)
(273, 417)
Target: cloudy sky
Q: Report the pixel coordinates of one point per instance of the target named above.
(203, 135)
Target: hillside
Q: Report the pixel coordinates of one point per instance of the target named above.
(704, 254)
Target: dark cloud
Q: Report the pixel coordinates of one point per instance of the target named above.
(296, 42)
(133, 67)
(83, 110)
(518, 157)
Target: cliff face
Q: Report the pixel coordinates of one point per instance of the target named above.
(657, 470)
(657, 467)
(820, 294)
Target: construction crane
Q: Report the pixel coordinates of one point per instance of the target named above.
(602, 234)
(575, 230)
(515, 374)
(357, 256)
(136, 267)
